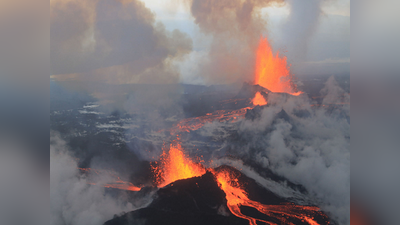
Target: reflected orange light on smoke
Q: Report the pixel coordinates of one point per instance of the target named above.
(358, 216)
(259, 99)
(271, 71)
(175, 165)
(116, 183)
(236, 196)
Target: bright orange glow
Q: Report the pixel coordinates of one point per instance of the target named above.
(175, 165)
(237, 196)
(195, 123)
(259, 99)
(271, 71)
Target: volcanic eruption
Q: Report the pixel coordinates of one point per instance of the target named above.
(159, 127)
(272, 75)
(175, 166)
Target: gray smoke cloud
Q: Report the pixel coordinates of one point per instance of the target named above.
(91, 35)
(94, 43)
(307, 145)
(235, 28)
(72, 199)
(24, 185)
(123, 44)
(300, 26)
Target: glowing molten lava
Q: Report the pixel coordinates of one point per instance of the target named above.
(195, 123)
(116, 183)
(236, 197)
(271, 71)
(175, 165)
(259, 99)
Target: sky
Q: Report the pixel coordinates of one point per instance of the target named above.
(328, 50)
(194, 42)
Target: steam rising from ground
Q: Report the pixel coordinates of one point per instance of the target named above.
(24, 184)
(119, 42)
(72, 199)
(312, 150)
(307, 145)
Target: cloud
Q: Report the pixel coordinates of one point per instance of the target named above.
(308, 146)
(98, 45)
(72, 199)
(91, 35)
(24, 187)
(235, 28)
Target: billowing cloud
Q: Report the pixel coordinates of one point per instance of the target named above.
(72, 199)
(112, 41)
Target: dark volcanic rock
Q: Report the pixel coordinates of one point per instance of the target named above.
(249, 90)
(197, 200)
(200, 201)
(154, 216)
(198, 194)
(255, 113)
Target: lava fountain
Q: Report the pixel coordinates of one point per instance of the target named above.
(175, 165)
(271, 71)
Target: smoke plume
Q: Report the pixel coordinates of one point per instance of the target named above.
(235, 28)
(112, 42)
(72, 199)
(307, 145)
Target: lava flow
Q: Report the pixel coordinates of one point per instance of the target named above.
(236, 196)
(271, 71)
(190, 124)
(175, 165)
(259, 99)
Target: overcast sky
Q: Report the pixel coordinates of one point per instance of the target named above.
(328, 50)
(192, 41)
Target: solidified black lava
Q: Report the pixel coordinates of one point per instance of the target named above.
(196, 200)
(200, 201)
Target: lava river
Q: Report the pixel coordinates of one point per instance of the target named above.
(272, 73)
(175, 165)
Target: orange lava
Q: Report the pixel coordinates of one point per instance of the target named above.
(271, 71)
(259, 99)
(195, 123)
(118, 183)
(175, 165)
(236, 196)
